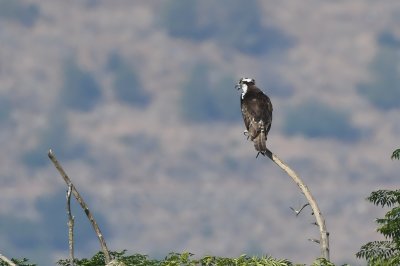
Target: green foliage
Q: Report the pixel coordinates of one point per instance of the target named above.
(385, 198)
(180, 259)
(385, 252)
(224, 21)
(378, 252)
(315, 120)
(396, 154)
(203, 100)
(17, 10)
(322, 262)
(383, 90)
(19, 262)
(80, 90)
(126, 84)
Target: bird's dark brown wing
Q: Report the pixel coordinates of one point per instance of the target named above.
(257, 116)
(247, 115)
(256, 105)
(266, 113)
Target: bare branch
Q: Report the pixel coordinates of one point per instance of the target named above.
(314, 240)
(83, 205)
(324, 235)
(6, 260)
(297, 212)
(70, 227)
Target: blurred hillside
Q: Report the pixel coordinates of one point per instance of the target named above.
(137, 100)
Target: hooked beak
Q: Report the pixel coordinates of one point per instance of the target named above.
(238, 86)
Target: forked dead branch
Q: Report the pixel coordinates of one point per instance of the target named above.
(85, 208)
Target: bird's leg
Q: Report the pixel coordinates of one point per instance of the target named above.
(260, 152)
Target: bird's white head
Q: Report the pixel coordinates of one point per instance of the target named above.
(244, 84)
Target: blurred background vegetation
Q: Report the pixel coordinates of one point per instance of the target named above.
(313, 119)
(234, 27)
(134, 97)
(383, 88)
(26, 14)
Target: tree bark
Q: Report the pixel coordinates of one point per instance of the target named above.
(71, 222)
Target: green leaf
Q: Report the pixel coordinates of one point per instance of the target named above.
(396, 154)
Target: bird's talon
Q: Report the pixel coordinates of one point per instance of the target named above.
(246, 134)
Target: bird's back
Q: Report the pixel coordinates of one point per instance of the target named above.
(257, 115)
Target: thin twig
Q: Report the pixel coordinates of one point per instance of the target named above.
(324, 235)
(70, 227)
(314, 240)
(85, 208)
(297, 212)
(7, 260)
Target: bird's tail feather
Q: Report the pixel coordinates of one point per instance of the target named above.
(260, 142)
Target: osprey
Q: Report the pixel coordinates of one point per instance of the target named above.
(257, 113)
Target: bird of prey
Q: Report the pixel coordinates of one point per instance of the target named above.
(257, 113)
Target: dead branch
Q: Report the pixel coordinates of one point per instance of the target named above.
(324, 235)
(70, 227)
(6, 260)
(85, 208)
(297, 212)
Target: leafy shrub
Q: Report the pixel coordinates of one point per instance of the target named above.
(396, 154)
(383, 90)
(80, 89)
(177, 259)
(225, 21)
(127, 86)
(385, 252)
(16, 10)
(19, 262)
(315, 120)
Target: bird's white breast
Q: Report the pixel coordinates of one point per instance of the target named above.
(244, 90)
